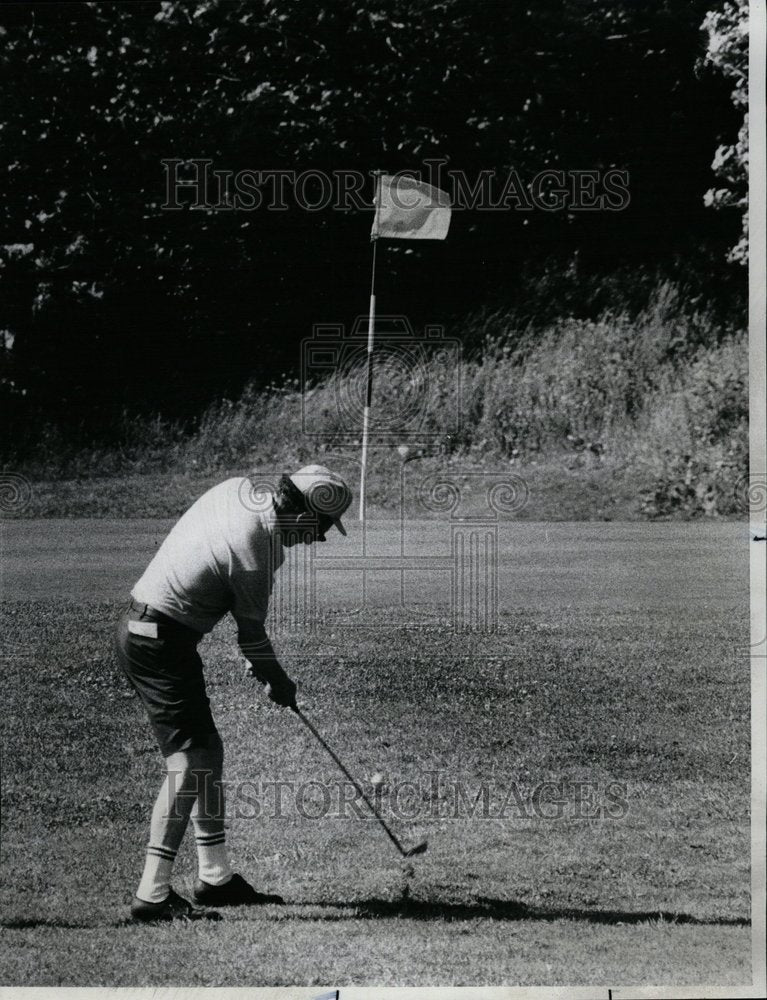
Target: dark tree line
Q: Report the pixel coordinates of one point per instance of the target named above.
(109, 301)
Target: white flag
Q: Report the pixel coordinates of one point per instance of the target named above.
(407, 209)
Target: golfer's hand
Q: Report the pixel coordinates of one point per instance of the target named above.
(281, 690)
(279, 687)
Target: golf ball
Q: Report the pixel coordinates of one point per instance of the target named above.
(377, 779)
(404, 450)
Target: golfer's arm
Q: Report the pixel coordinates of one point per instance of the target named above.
(257, 649)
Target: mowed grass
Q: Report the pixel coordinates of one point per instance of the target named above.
(646, 708)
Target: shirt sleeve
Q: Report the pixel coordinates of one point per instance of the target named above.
(250, 574)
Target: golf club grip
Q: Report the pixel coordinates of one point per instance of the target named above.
(353, 780)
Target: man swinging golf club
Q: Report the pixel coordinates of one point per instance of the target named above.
(220, 557)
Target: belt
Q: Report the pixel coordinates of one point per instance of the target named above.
(165, 624)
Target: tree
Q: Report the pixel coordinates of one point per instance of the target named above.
(727, 50)
(112, 301)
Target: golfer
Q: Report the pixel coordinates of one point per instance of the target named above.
(220, 557)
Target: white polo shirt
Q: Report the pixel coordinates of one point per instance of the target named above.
(220, 556)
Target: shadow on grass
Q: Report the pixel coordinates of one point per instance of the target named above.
(33, 923)
(62, 923)
(498, 909)
(421, 909)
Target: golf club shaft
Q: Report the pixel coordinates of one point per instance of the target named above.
(356, 784)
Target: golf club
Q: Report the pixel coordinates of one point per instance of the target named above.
(419, 848)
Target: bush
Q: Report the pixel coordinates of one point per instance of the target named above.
(662, 393)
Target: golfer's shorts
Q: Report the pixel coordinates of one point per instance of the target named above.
(160, 658)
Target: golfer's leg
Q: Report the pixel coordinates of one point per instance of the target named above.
(208, 814)
(186, 773)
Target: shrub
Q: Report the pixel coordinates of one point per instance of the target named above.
(661, 392)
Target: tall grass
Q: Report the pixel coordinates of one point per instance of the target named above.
(660, 393)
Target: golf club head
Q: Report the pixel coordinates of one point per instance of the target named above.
(418, 849)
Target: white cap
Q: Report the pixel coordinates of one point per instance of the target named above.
(325, 492)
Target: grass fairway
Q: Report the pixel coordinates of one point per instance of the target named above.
(617, 680)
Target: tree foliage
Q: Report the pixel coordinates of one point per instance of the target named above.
(111, 301)
(727, 50)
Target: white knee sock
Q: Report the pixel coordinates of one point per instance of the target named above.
(155, 882)
(212, 857)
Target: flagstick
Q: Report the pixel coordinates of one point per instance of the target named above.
(369, 383)
(369, 374)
